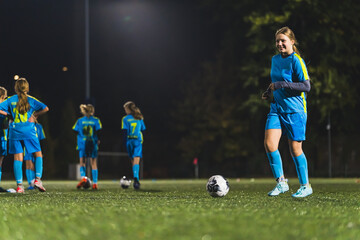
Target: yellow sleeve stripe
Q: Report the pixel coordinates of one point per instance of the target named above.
(122, 123)
(303, 67)
(74, 125)
(304, 101)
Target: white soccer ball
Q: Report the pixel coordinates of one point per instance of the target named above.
(217, 186)
(125, 182)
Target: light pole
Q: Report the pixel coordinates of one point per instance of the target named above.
(328, 127)
(87, 51)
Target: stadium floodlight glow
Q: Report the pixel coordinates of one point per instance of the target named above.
(65, 69)
(16, 77)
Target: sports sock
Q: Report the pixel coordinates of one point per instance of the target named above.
(38, 167)
(94, 173)
(136, 168)
(82, 171)
(301, 169)
(30, 175)
(0, 173)
(275, 163)
(18, 171)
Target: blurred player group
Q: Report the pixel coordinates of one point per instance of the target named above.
(21, 135)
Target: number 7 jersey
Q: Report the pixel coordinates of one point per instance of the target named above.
(133, 127)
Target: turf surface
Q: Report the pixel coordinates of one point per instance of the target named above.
(182, 209)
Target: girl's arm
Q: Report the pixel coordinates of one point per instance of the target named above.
(298, 86)
(3, 113)
(38, 113)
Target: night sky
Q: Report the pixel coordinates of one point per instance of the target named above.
(139, 50)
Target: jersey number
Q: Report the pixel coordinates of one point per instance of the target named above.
(133, 125)
(20, 117)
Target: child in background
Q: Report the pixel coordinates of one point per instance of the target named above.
(4, 125)
(30, 159)
(22, 132)
(133, 125)
(87, 129)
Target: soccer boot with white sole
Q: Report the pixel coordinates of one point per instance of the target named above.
(38, 185)
(280, 187)
(303, 191)
(20, 189)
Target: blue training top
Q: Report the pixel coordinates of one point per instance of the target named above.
(3, 132)
(133, 127)
(86, 128)
(40, 131)
(289, 69)
(21, 128)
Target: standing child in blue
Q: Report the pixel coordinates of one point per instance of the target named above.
(4, 124)
(30, 159)
(22, 132)
(288, 112)
(87, 129)
(133, 125)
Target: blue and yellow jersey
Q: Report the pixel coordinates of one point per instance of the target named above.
(86, 128)
(21, 128)
(40, 131)
(289, 69)
(3, 131)
(133, 127)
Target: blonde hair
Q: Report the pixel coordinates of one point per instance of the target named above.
(21, 89)
(3, 92)
(290, 34)
(87, 109)
(135, 111)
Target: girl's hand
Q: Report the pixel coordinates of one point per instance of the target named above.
(32, 118)
(267, 93)
(271, 86)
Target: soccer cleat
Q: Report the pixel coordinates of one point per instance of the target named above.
(30, 188)
(136, 184)
(81, 183)
(281, 187)
(2, 189)
(303, 191)
(20, 189)
(95, 186)
(38, 185)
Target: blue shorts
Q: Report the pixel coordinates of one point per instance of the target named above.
(92, 154)
(17, 146)
(134, 148)
(292, 124)
(3, 148)
(28, 156)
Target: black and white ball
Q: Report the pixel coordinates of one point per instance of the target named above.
(125, 182)
(87, 183)
(217, 186)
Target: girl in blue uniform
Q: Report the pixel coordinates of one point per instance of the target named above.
(30, 159)
(4, 124)
(133, 125)
(22, 132)
(87, 129)
(288, 112)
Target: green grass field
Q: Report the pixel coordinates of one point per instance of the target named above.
(182, 209)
